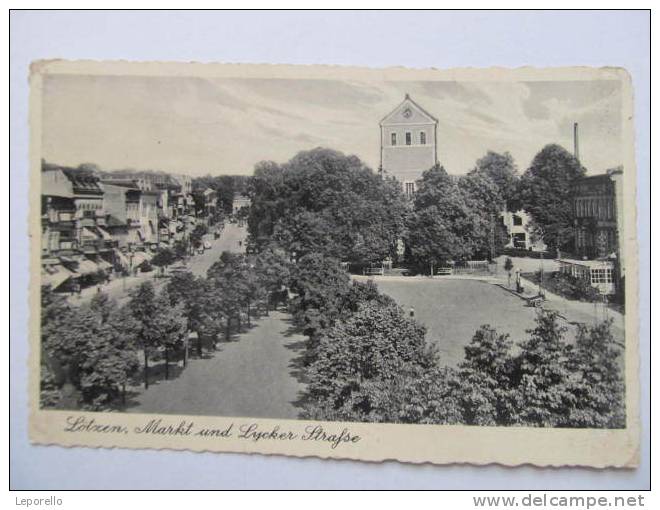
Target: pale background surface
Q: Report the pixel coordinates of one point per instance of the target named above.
(440, 39)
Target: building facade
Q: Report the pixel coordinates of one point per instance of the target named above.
(517, 226)
(95, 224)
(408, 143)
(75, 242)
(598, 218)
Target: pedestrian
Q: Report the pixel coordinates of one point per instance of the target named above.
(519, 288)
(412, 312)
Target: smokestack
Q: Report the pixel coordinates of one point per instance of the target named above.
(576, 142)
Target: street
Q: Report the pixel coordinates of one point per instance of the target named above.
(231, 236)
(198, 264)
(255, 375)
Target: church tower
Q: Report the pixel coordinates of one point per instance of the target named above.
(408, 137)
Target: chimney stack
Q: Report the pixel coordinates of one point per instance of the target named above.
(576, 142)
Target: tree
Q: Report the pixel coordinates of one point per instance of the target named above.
(86, 352)
(486, 379)
(181, 249)
(60, 348)
(273, 269)
(542, 375)
(226, 186)
(419, 394)
(254, 292)
(443, 226)
(486, 203)
(228, 280)
(357, 356)
(109, 359)
(323, 201)
(170, 325)
(163, 258)
(597, 381)
(303, 233)
(215, 313)
(196, 235)
(502, 170)
(142, 308)
(545, 192)
(188, 290)
(320, 287)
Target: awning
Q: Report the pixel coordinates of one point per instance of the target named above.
(104, 264)
(86, 267)
(88, 233)
(104, 234)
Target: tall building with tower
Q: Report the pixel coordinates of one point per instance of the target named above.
(408, 143)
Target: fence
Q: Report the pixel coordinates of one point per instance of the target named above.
(473, 267)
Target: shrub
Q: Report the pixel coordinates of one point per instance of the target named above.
(569, 286)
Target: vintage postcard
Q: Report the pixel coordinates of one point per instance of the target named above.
(375, 264)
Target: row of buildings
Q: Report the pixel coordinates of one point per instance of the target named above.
(97, 224)
(408, 136)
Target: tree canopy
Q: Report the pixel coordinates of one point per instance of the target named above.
(445, 225)
(322, 201)
(545, 193)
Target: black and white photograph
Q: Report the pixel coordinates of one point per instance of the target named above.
(333, 248)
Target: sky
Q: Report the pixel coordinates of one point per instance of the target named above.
(219, 126)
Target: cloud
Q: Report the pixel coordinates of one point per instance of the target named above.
(197, 125)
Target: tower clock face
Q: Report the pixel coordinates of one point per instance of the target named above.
(407, 113)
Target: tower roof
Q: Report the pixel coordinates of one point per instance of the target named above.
(408, 101)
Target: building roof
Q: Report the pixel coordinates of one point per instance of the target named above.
(83, 181)
(591, 264)
(113, 221)
(594, 178)
(123, 183)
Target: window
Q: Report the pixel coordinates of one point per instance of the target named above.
(393, 139)
(422, 138)
(601, 276)
(517, 220)
(410, 189)
(408, 138)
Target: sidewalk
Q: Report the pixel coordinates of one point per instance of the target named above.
(117, 288)
(579, 311)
